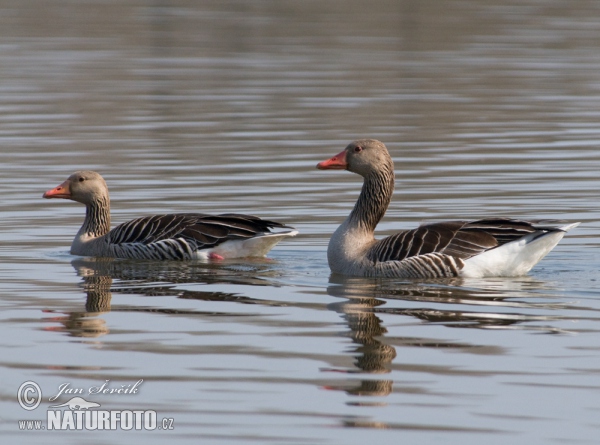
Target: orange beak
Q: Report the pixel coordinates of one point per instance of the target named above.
(62, 191)
(338, 162)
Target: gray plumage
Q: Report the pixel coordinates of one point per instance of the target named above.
(180, 236)
(485, 247)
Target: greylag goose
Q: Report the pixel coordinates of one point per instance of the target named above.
(483, 248)
(163, 237)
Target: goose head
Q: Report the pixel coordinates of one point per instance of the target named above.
(363, 156)
(83, 186)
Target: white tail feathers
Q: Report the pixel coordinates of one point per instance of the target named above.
(515, 258)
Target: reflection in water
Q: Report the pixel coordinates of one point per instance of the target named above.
(490, 107)
(364, 298)
(96, 284)
(494, 294)
(505, 299)
(152, 278)
(372, 355)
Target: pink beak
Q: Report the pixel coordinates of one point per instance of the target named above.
(62, 191)
(338, 162)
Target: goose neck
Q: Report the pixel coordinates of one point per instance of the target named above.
(374, 199)
(97, 218)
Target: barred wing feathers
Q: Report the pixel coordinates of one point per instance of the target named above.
(458, 239)
(201, 231)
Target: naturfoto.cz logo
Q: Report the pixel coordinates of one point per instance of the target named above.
(77, 413)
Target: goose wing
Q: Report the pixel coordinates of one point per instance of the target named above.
(458, 239)
(200, 230)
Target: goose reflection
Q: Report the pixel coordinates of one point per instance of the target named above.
(103, 277)
(372, 356)
(96, 285)
(506, 304)
(496, 303)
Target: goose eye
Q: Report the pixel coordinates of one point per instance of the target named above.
(358, 149)
(81, 179)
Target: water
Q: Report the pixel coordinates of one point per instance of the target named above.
(228, 106)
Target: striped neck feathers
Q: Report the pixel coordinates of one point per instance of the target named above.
(374, 198)
(97, 217)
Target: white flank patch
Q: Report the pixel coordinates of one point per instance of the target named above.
(513, 259)
(257, 246)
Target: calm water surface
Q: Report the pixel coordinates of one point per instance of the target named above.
(227, 107)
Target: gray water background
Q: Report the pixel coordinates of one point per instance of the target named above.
(488, 108)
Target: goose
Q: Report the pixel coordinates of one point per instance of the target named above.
(179, 236)
(494, 247)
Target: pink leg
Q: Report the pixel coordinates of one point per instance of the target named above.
(214, 256)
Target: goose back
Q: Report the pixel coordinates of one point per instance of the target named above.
(186, 235)
(460, 239)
